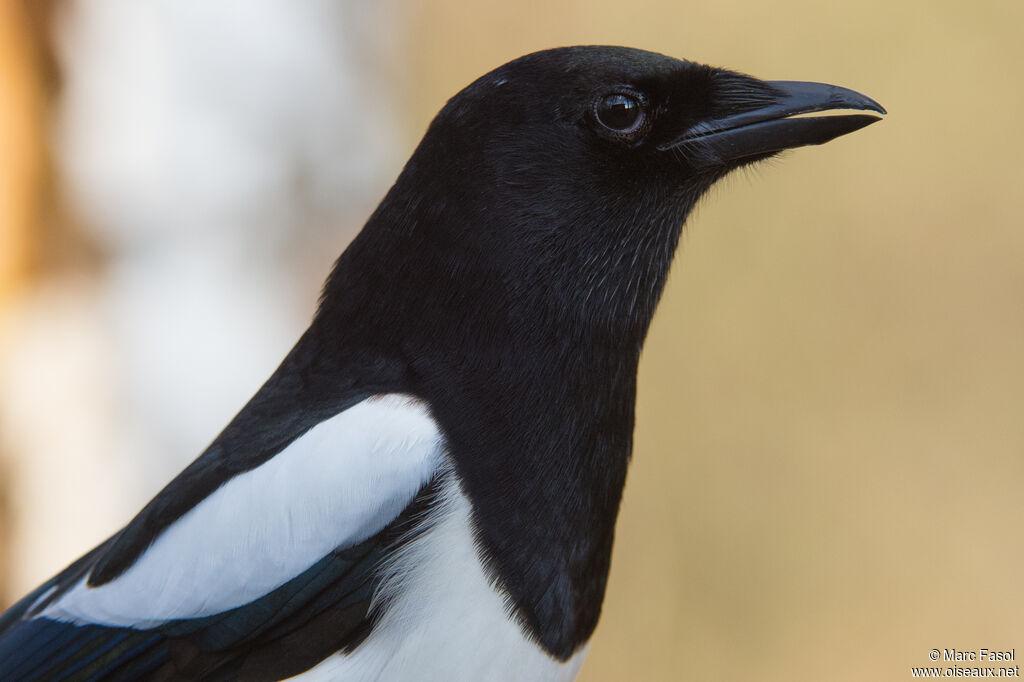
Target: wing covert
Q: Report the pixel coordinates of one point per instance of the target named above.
(276, 565)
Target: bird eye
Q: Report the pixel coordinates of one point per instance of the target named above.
(619, 112)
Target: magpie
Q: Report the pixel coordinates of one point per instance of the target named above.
(427, 486)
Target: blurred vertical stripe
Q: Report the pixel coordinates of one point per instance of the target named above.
(20, 145)
(20, 175)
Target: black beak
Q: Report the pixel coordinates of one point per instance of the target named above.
(771, 128)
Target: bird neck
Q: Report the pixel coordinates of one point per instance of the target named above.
(527, 357)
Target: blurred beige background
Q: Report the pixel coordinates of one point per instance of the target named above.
(830, 442)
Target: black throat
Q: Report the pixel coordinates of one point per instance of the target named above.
(523, 335)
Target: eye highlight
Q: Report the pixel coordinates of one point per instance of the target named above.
(621, 113)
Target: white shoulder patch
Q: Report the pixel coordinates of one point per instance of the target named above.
(338, 484)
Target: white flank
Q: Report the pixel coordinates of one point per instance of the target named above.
(442, 619)
(336, 485)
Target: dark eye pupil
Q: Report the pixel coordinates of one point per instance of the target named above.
(618, 112)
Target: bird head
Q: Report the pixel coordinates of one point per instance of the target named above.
(559, 182)
(607, 110)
